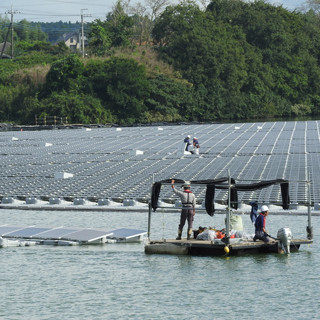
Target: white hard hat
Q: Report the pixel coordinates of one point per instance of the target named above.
(188, 136)
(264, 208)
(186, 184)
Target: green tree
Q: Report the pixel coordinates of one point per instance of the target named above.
(119, 26)
(284, 40)
(115, 31)
(100, 42)
(169, 100)
(121, 84)
(207, 52)
(78, 108)
(63, 74)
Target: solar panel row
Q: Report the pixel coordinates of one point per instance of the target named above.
(104, 162)
(82, 235)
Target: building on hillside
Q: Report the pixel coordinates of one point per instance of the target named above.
(73, 41)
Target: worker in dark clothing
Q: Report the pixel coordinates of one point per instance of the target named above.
(187, 143)
(188, 201)
(260, 225)
(196, 146)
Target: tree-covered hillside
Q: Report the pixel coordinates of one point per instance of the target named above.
(235, 60)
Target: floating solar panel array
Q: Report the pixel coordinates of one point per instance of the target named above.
(66, 236)
(103, 164)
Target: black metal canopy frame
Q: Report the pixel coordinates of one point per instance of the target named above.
(223, 183)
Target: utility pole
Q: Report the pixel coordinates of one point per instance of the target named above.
(12, 12)
(82, 31)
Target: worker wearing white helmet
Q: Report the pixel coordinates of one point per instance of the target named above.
(196, 146)
(260, 224)
(187, 143)
(188, 201)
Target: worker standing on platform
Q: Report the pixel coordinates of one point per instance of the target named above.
(260, 224)
(188, 201)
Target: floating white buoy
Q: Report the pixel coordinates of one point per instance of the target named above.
(7, 200)
(55, 201)
(139, 152)
(317, 206)
(118, 129)
(104, 202)
(47, 144)
(14, 139)
(237, 128)
(31, 200)
(259, 128)
(88, 129)
(160, 128)
(129, 202)
(79, 202)
(8, 243)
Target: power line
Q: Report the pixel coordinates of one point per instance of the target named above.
(58, 16)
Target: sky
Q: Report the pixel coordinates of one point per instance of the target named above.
(70, 10)
(56, 10)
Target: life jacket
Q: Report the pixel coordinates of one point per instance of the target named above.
(220, 235)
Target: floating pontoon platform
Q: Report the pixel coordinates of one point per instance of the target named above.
(218, 248)
(227, 245)
(25, 236)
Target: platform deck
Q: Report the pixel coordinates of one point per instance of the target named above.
(217, 248)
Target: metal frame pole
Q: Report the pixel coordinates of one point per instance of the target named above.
(149, 221)
(150, 210)
(229, 209)
(309, 227)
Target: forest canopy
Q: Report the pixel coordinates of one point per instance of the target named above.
(233, 60)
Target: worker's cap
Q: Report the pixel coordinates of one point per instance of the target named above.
(188, 137)
(186, 184)
(194, 138)
(264, 208)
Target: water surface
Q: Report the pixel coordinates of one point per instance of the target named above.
(119, 281)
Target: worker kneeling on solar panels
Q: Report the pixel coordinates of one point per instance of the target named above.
(196, 146)
(188, 201)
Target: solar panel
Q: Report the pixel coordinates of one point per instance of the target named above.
(56, 233)
(124, 233)
(259, 151)
(87, 235)
(27, 232)
(7, 229)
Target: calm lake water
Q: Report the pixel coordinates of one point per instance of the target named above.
(119, 281)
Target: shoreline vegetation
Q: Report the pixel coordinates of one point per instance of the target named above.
(230, 62)
(17, 127)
